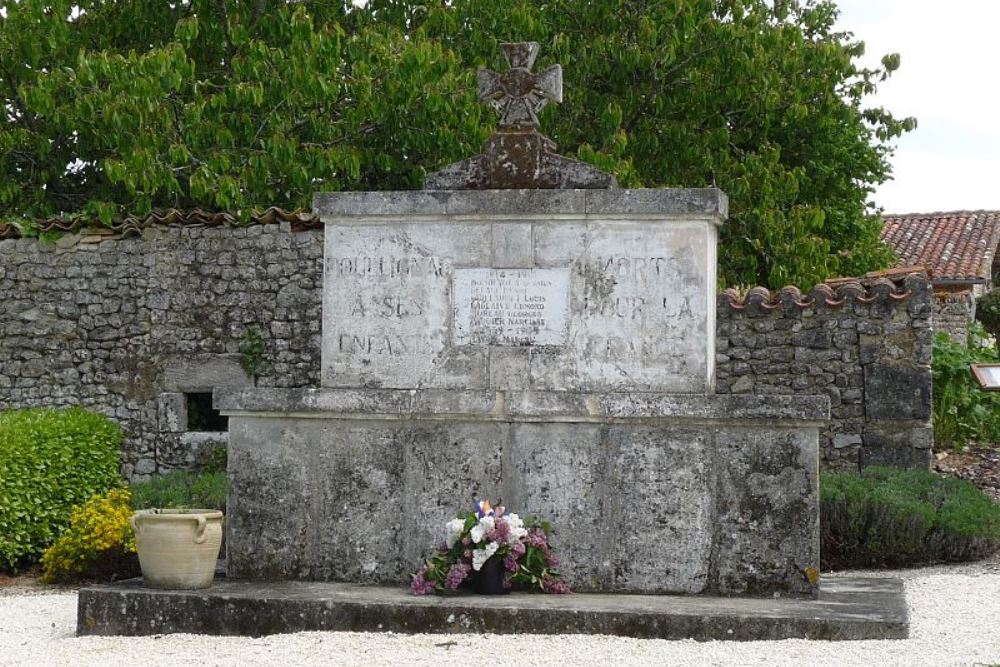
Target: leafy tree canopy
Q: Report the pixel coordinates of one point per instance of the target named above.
(115, 106)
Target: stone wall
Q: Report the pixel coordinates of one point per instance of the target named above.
(868, 347)
(953, 313)
(130, 326)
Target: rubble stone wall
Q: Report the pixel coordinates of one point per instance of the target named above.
(868, 347)
(131, 326)
(953, 313)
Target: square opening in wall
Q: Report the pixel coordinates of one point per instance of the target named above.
(201, 416)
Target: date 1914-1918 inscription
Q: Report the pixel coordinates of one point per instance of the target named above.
(515, 307)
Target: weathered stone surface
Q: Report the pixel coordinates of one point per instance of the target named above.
(660, 469)
(895, 457)
(392, 206)
(628, 296)
(767, 523)
(847, 609)
(896, 392)
(519, 405)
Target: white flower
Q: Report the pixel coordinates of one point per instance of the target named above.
(454, 530)
(517, 529)
(485, 525)
(480, 556)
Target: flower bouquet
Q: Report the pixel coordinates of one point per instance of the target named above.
(493, 551)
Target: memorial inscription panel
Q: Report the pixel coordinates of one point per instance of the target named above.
(511, 307)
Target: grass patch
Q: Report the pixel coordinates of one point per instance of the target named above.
(183, 490)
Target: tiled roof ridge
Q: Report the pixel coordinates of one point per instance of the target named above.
(132, 225)
(940, 214)
(842, 292)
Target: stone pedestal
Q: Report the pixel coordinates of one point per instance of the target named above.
(648, 493)
(553, 348)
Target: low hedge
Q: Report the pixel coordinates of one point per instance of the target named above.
(50, 460)
(887, 517)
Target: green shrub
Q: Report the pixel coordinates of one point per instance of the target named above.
(963, 412)
(99, 544)
(890, 517)
(50, 460)
(988, 313)
(181, 489)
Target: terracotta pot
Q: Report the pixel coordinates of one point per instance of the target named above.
(178, 548)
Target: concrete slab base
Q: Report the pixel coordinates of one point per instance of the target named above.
(847, 608)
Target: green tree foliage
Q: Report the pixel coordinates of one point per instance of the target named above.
(232, 104)
(225, 105)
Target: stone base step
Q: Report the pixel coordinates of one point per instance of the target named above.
(847, 608)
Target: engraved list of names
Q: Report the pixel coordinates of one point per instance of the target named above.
(511, 306)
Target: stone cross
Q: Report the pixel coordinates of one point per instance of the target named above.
(518, 155)
(519, 94)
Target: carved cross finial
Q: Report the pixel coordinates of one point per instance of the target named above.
(519, 94)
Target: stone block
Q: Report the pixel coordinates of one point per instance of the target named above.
(848, 608)
(897, 391)
(203, 372)
(172, 411)
(895, 457)
(767, 525)
(398, 301)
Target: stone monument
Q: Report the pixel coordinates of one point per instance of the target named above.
(525, 330)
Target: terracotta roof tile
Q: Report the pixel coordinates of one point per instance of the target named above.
(957, 245)
(835, 293)
(131, 225)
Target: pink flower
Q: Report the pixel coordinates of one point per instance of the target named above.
(419, 585)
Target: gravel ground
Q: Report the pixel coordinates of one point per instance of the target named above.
(954, 614)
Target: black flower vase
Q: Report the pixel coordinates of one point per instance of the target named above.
(489, 579)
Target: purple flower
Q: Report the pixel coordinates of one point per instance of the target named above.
(456, 575)
(519, 549)
(501, 532)
(466, 540)
(510, 563)
(553, 585)
(536, 538)
(419, 585)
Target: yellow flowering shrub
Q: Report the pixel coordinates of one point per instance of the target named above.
(99, 543)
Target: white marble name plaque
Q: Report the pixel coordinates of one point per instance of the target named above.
(512, 307)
